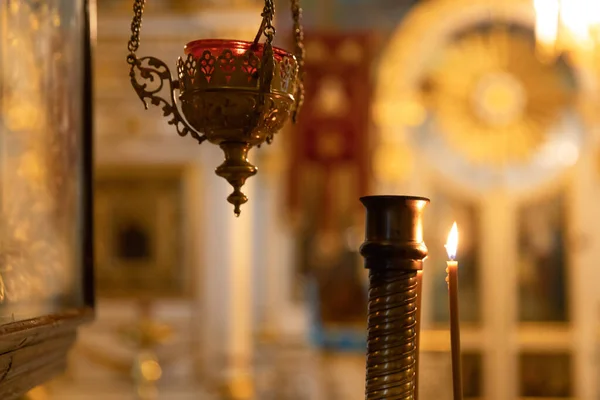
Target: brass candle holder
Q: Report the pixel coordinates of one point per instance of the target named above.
(394, 251)
(234, 94)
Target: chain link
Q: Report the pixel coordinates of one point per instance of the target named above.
(136, 27)
(268, 15)
(300, 54)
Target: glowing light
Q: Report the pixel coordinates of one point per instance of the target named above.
(547, 17)
(593, 13)
(568, 153)
(412, 113)
(452, 242)
(566, 25)
(151, 370)
(575, 17)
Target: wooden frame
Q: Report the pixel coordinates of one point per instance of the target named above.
(33, 351)
(151, 200)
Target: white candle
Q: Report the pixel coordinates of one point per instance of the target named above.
(452, 279)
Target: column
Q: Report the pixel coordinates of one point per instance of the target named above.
(498, 278)
(274, 245)
(270, 240)
(226, 254)
(583, 251)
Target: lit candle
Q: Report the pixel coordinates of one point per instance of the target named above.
(547, 26)
(452, 279)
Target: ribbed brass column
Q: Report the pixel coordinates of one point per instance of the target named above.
(394, 251)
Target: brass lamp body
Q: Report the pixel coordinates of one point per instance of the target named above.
(233, 94)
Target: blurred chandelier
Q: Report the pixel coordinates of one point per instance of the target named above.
(235, 94)
(567, 27)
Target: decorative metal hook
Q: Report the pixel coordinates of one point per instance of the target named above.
(154, 77)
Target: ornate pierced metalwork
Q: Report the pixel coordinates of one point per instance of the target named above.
(234, 94)
(154, 74)
(221, 94)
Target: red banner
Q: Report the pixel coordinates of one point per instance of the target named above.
(329, 166)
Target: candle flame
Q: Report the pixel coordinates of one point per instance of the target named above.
(547, 13)
(452, 242)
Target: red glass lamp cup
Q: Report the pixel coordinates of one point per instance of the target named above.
(223, 96)
(220, 89)
(238, 47)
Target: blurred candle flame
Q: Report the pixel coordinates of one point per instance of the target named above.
(565, 25)
(452, 242)
(576, 16)
(547, 21)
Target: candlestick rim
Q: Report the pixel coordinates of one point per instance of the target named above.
(364, 199)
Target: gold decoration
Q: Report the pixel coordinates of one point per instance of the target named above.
(406, 112)
(330, 145)
(37, 393)
(332, 100)
(238, 387)
(144, 336)
(404, 98)
(350, 52)
(493, 99)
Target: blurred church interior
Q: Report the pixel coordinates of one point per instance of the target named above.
(488, 107)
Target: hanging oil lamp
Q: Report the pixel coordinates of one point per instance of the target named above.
(234, 94)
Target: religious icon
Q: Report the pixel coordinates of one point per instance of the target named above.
(543, 261)
(545, 375)
(332, 98)
(139, 232)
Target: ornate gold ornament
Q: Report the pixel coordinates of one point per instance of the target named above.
(493, 99)
(234, 94)
(461, 79)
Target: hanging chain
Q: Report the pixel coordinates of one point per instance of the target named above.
(300, 55)
(136, 27)
(267, 28)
